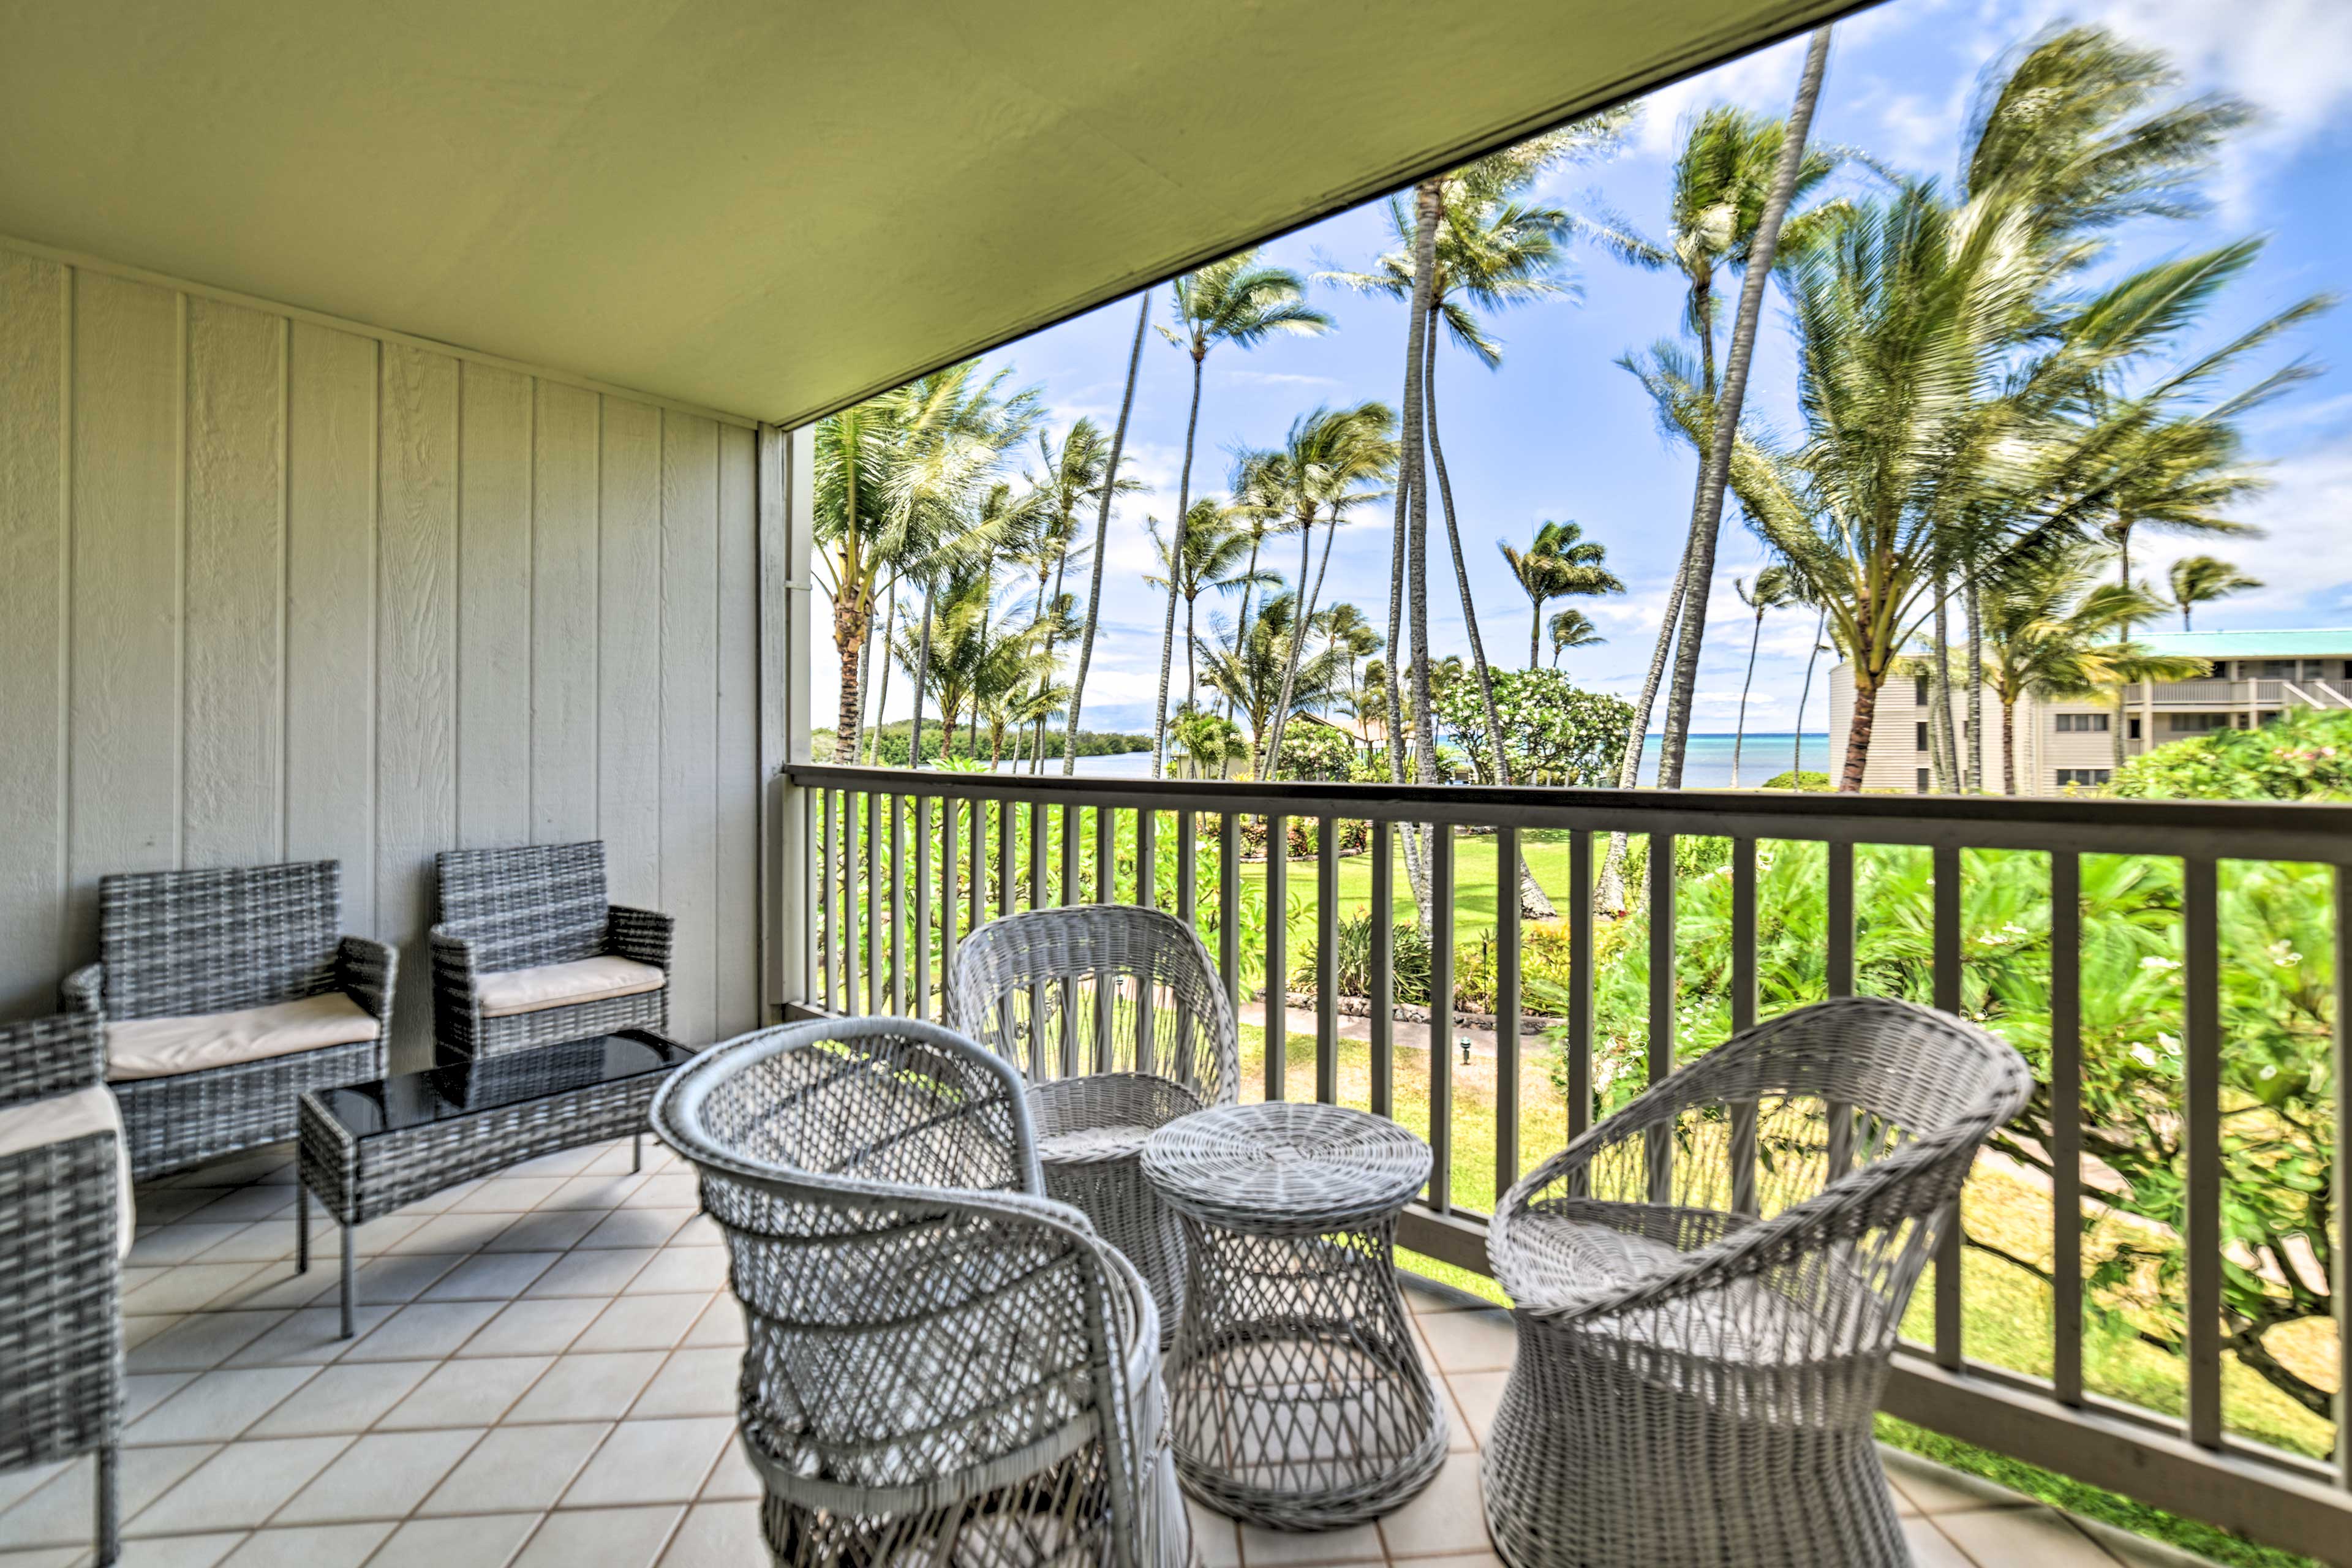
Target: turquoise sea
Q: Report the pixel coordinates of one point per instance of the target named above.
(1706, 764)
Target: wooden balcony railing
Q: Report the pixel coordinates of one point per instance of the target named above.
(899, 865)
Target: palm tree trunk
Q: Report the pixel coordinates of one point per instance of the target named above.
(1176, 541)
(1249, 581)
(2008, 744)
(1290, 656)
(1408, 590)
(1535, 635)
(2120, 720)
(1192, 681)
(1739, 729)
(1707, 515)
(1533, 902)
(1609, 887)
(1102, 539)
(922, 674)
(1940, 750)
(1797, 751)
(1973, 732)
(865, 690)
(882, 686)
(1858, 728)
(849, 643)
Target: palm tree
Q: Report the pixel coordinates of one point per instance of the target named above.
(1238, 301)
(1332, 461)
(2047, 632)
(1349, 637)
(1558, 563)
(1775, 589)
(1251, 666)
(1205, 555)
(896, 477)
(1102, 533)
(2201, 579)
(1210, 743)
(1707, 510)
(1571, 628)
(1072, 473)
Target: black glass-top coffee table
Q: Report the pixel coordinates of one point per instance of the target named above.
(369, 1148)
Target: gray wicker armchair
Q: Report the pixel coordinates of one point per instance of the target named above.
(225, 995)
(526, 952)
(64, 1225)
(1116, 1015)
(1707, 1287)
(940, 1366)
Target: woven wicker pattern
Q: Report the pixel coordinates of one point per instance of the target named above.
(940, 1367)
(1708, 1286)
(185, 944)
(60, 1324)
(517, 908)
(1300, 1400)
(1116, 1015)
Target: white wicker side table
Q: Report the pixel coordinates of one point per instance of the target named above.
(1297, 1397)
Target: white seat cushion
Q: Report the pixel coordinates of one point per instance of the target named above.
(599, 979)
(165, 1047)
(62, 1116)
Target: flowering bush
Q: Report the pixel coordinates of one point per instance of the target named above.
(1553, 732)
(2305, 754)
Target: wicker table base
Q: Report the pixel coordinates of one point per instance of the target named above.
(371, 1148)
(1298, 1399)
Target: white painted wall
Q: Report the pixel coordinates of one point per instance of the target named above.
(276, 588)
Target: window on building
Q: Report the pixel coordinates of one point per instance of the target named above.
(1922, 728)
(2081, 776)
(2134, 730)
(2086, 723)
(2278, 669)
(2195, 723)
(2347, 670)
(1923, 781)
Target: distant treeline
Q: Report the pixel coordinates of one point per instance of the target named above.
(895, 736)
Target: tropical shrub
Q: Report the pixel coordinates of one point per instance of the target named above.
(1806, 780)
(2304, 755)
(1554, 732)
(1408, 959)
(1312, 751)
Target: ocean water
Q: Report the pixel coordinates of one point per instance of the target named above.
(1706, 764)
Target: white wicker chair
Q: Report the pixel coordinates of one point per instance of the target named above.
(1707, 1287)
(942, 1365)
(1063, 993)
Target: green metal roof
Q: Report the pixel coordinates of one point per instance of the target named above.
(768, 207)
(2315, 642)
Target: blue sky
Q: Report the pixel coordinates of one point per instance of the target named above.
(1560, 432)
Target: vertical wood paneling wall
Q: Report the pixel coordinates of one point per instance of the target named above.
(272, 590)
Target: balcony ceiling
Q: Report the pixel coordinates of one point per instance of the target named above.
(768, 207)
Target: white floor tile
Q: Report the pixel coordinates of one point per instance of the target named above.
(348, 1397)
(517, 1468)
(485, 1540)
(1446, 1517)
(473, 1393)
(583, 1387)
(238, 1487)
(717, 1535)
(383, 1476)
(219, 1404)
(311, 1546)
(600, 1538)
(62, 1512)
(651, 1462)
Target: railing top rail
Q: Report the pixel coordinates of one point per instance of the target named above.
(2251, 830)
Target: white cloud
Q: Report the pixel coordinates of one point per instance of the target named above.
(2305, 559)
(1276, 378)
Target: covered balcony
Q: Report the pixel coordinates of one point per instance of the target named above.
(405, 448)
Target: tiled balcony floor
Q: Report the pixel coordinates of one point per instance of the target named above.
(543, 1376)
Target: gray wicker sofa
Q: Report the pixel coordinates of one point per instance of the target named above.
(528, 951)
(64, 1227)
(224, 995)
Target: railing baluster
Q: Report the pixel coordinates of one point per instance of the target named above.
(1441, 1017)
(828, 915)
(1327, 960)
(898, 907)
(850, 901)
(1106, 855)
(1277, 997)
(2202, 1109)
(874, 948)
(976, 881)
(811, 894)
(1038, 899)
(1840, 917)
(2343, 1175)
(1147, 829)
(1948, 999)
(1188, 875)
(1007, 842)
(2066, 1124)
(1229, 899)
(1383, 964)
(1579, 981)
(1506, 1009)
(1743, 1016)
(1660, 1143)
(1071, 817)
(948, 860)
(923, 932)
